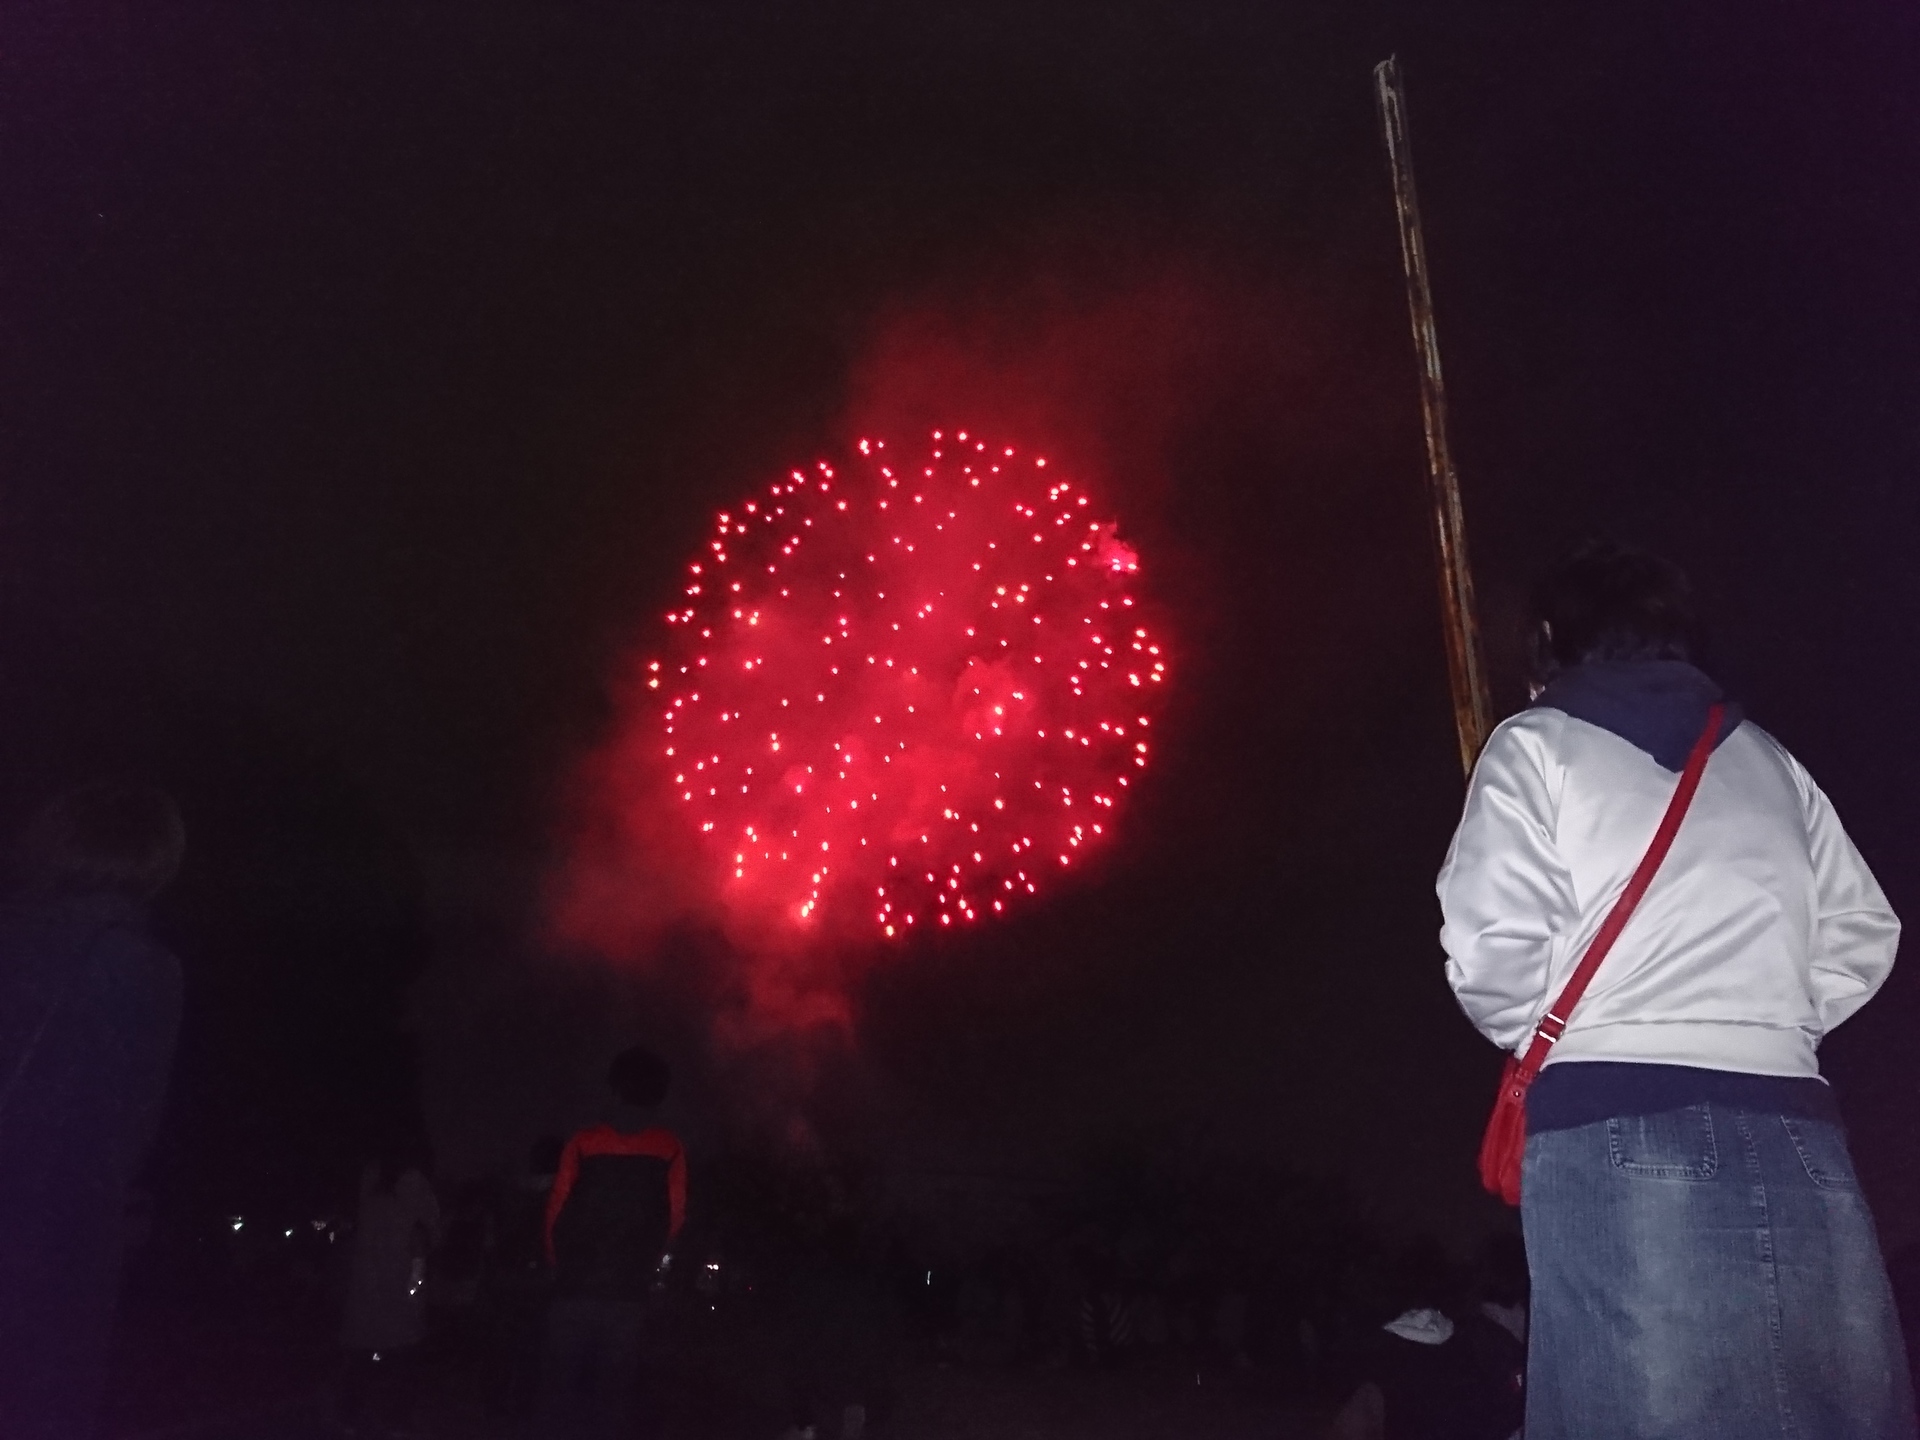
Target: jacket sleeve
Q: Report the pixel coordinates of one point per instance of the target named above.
(676, 1191)
(1504, 893)
(562, 1187)
(1855, 929)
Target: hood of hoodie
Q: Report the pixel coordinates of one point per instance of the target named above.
(1656, 705)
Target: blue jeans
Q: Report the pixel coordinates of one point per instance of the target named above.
(1707, 1273)
(591, 1375)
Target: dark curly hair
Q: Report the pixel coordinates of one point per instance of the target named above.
(639, 1077)
(1608, 601)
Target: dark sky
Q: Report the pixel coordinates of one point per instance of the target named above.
(365, 371)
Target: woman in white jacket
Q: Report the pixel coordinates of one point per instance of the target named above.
(1703, 1261)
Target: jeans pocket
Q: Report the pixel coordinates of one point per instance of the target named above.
(1822, 1147)
(1671, 1145)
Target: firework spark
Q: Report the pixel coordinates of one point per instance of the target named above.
(905, 696)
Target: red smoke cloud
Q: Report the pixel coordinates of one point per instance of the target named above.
(912, 688)
(902, 695)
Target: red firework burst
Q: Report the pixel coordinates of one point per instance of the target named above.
(907, 695)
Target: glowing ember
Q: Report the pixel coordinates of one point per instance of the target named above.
(909, 695)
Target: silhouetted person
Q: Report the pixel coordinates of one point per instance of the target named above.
(1494, 1326)
(1421, 1378)
(519, 1279)
(89, 1012)
(617, 1203)
(386, 1311)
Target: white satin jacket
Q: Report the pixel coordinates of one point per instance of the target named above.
(1762, 931)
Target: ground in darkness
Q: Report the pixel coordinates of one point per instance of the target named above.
(248, 1372)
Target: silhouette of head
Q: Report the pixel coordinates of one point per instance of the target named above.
(104, 838)
(639, 1078)
(1608, 601)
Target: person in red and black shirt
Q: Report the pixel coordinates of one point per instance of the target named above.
(616, 1205)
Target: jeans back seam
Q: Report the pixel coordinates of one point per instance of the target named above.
(1776, 1340)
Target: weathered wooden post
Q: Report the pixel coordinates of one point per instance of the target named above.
(1472, 707)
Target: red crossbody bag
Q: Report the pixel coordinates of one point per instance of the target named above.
(1505, 1142)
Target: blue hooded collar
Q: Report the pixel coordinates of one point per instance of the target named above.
(1656, 705)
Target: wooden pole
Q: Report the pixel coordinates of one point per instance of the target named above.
(1472, 707)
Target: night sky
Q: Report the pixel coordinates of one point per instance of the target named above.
(366, 376)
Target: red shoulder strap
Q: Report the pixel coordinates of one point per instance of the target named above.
(1555, 1022)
